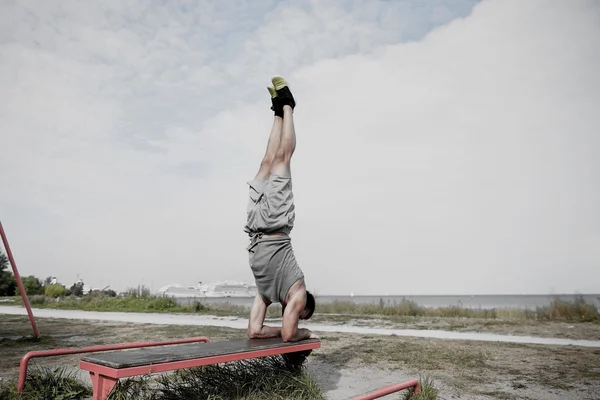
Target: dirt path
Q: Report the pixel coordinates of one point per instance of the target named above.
(349, 364)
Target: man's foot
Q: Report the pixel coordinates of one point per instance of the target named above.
(283, 92)
(276, 105)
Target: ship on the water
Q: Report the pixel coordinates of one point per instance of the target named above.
(220, 289)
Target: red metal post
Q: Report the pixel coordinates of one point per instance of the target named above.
(102, 386)
(384, 391)
(36, 332)
(94, 349)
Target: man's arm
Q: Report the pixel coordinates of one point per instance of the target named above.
(256, 329)
(290, 331)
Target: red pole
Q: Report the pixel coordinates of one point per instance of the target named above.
(36, 333)
(384, 391)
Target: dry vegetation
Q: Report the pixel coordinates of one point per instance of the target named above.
(559, 310)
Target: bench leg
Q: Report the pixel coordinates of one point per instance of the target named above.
(102, 385)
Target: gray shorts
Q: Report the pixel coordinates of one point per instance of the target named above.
(271, 209)
(274, 267)
(270, 206)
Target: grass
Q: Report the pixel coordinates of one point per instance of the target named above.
(559, 310)
(418, 354)
(268, 378)
(428, 391)
(47, 384)
(25, 341)
(132, 303)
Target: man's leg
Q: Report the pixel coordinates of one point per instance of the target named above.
(274, 137)
(281, 163)
(272, 146)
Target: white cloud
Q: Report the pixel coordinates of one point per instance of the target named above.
(466, 154)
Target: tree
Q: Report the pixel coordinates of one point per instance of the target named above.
(32, 286)
(55, 290)
(76, 289)
(8, 283)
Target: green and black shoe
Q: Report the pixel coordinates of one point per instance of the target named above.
(283, 92)
(276, 105)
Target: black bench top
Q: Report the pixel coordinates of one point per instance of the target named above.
(170, 353)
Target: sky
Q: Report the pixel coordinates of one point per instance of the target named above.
(443, 147)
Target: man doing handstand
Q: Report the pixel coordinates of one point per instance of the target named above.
(270, 219)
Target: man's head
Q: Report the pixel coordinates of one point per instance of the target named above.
(309, 308)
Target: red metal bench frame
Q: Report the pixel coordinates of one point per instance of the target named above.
(105, 378)
(95, 349)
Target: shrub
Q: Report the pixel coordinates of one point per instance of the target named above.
(37, 299)
(140, 291)
(32, 286)
(579, 310)
(8, 283)
(55, 291)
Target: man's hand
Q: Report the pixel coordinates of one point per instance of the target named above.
(313, 336)
(297, 335)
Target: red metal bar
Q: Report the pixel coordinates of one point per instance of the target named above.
(102, 386)
(198, 362)
(384, 391)
(95, 349)
(36, 332)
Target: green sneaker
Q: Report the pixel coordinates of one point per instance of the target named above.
(283, 91)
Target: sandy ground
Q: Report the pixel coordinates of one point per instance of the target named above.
(350, 364)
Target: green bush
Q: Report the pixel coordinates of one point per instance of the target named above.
(55, 291)
(8, 283)
(141, 291)
(32, 286)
